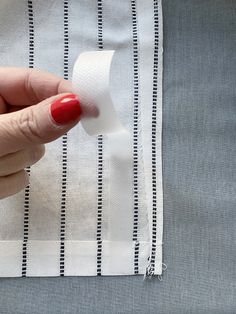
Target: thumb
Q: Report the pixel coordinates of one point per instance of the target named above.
(38, 124)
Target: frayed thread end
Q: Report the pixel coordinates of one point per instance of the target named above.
(150, 271)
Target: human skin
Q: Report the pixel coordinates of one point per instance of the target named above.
(29, 115)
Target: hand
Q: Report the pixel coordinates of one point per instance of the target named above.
(31, 114)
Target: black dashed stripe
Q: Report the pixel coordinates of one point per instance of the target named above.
(154, 128)
(100, 158)
(135, 134)
(100, 24)
(27, 189)
(64, 147)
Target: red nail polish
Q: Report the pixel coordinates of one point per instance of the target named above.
(66, 109)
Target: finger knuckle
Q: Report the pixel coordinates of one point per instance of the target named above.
(27, 125)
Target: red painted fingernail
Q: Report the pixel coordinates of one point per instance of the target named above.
(66, 109)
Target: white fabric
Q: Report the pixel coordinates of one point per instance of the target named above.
(117, 246)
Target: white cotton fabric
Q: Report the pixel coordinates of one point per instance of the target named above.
(118, 246)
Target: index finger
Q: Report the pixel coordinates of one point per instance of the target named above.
(26, 87)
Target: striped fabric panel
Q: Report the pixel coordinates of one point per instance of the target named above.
(100, 144)
(27, 189)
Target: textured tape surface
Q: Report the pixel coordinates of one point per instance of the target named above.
(91, 82)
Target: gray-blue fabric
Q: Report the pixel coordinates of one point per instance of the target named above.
(199, 156)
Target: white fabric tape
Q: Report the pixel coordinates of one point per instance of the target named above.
(91, 82)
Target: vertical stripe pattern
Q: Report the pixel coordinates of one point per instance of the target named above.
(27, 189)
(153, 139)
(64, 147)
(100, 158)
(135, 135)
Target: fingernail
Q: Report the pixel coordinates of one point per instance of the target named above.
(66, 109)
